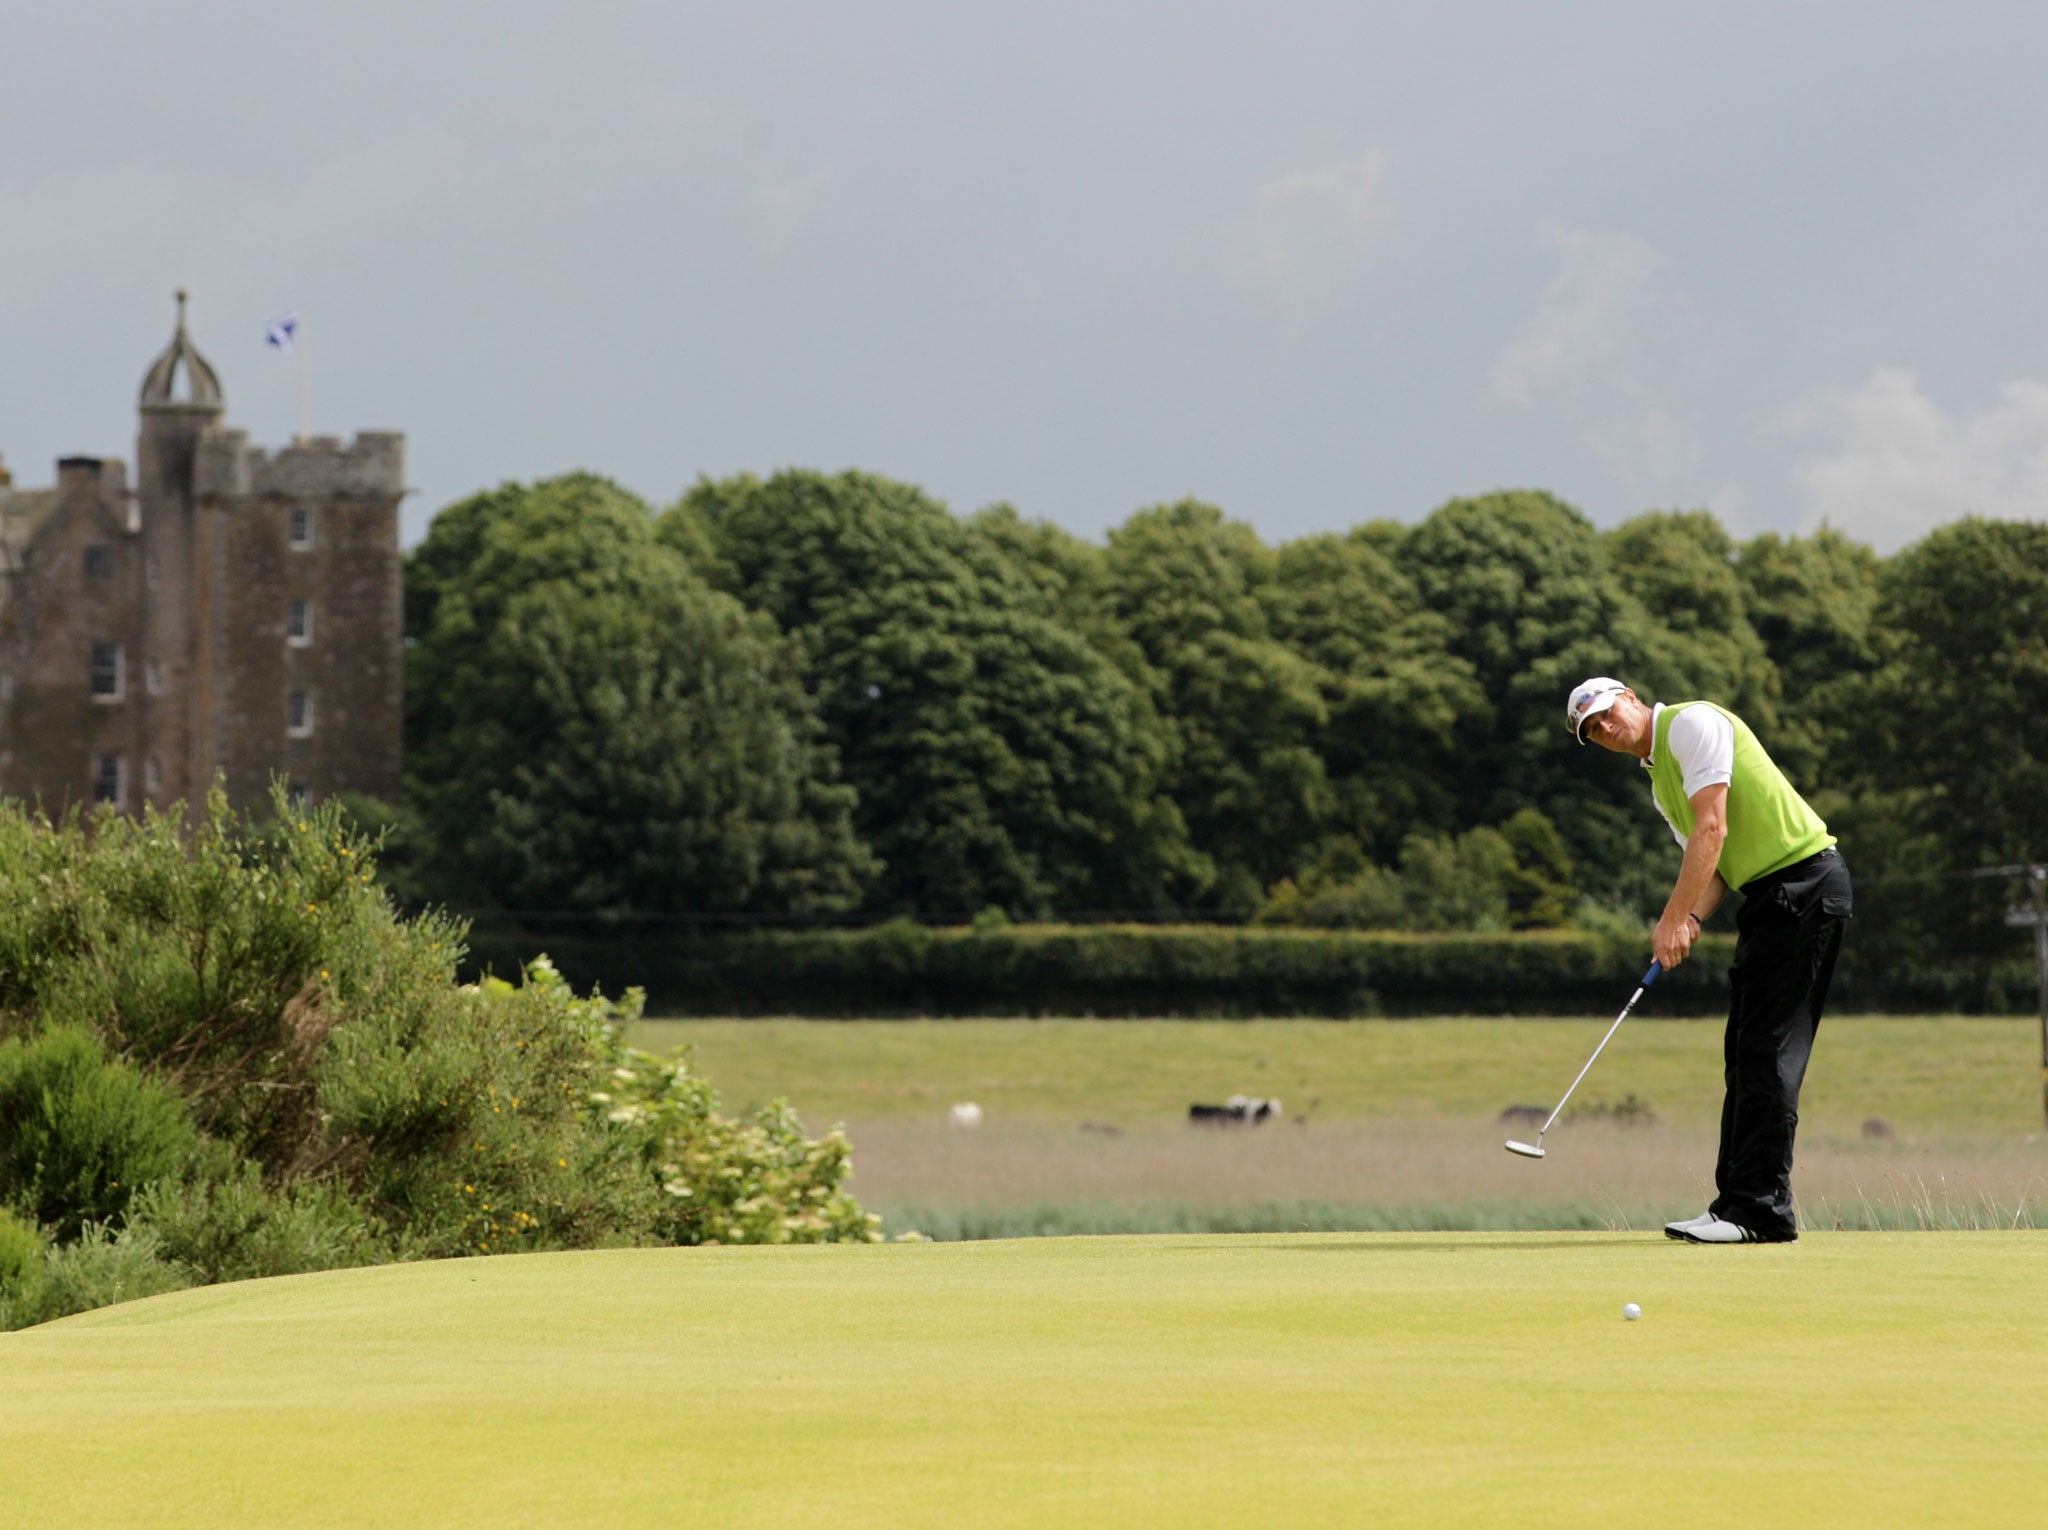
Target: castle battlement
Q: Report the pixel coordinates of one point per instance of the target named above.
(230, 614)
(370, 466)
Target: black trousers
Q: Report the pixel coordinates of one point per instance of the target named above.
(1787, 936)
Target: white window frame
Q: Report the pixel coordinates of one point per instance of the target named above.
(299, 528)
(302, 609)
(120, 691)
(119, 799)
(301, 724)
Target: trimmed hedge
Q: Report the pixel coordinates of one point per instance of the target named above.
(1224, 971)
(904, 969)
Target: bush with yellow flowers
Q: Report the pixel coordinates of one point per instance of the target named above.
(224, 1053)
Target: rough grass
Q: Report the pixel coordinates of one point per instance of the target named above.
(1388, 1124)
(1403, 1380)
(1923, 1074)
(1430, 1174)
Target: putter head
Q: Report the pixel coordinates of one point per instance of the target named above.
(1525, 1150)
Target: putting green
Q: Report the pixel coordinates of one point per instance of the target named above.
(1453, 1379)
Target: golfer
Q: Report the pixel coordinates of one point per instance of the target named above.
(1741, 825)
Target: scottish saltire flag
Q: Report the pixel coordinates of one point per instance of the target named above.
(282, 334)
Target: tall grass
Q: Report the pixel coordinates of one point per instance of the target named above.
(1061, 1219)
(1020, 1179)
(1908, 1202)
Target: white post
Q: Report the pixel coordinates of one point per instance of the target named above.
(2040, 911)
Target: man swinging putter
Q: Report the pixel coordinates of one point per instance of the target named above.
(1741, 825)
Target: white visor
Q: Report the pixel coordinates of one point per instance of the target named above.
(1588, 701)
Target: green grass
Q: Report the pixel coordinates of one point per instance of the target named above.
(1971, 1075)
(1086, 1120)
(1467, 1380)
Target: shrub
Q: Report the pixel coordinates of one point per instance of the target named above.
(725, 1181)
(1539, 883)
(474, 1129)
(1341, 891)
(105, 1265)
(230, 1056)
(1456, 884)
(1515, 877)
(22, 1251)
(224, 1223)
(80, 1132)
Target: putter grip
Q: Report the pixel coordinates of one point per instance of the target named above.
(1651, 976)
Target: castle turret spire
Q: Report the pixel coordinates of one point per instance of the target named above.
(202, 385)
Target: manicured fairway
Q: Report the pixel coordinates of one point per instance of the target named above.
(1447, 1379)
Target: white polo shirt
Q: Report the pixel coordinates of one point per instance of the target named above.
(1703, 743)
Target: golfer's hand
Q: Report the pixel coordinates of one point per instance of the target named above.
(1674, 938)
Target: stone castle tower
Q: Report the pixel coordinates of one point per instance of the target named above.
(235, 613)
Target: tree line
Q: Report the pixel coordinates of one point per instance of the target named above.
(827, 696)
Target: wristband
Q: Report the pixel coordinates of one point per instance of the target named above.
(1695, 918)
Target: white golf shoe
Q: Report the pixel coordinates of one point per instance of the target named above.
(1709, 1229)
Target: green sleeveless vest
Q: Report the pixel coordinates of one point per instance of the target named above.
(1769, 824)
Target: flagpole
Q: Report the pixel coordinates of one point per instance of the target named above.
(305, 393)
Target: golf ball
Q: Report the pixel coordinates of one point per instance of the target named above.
(1631, 1312)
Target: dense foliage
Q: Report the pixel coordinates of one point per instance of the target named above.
(999, 757)
(592, 727)
(823, 696)
(223, 1053)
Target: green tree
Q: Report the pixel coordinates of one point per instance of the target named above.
(591, 727)
(1393, 693)
(1245, 711)
(1541, 893)
(1000, 759)
(1946, 740)
(1070, 573)
(1681, 565)
(1518, 876)
(1534, 606)
(1813, 600)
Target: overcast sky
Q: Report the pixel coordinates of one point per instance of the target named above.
(1315, 263)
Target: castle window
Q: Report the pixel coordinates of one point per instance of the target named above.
(299, 528)
(108, 672)
(99, 561)
(297, 795)
(299, 714)
(152, 776)
(153, 571)
(298, 623)
(153, 676)
(109, 772)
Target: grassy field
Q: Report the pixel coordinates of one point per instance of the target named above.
(1388, 1123)
(1445, 1379)
(1919, 1074)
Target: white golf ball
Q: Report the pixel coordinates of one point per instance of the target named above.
(1631, 1312)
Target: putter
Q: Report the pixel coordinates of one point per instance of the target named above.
(1535, 1149)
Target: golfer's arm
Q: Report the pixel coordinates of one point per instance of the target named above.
(1700, 888)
